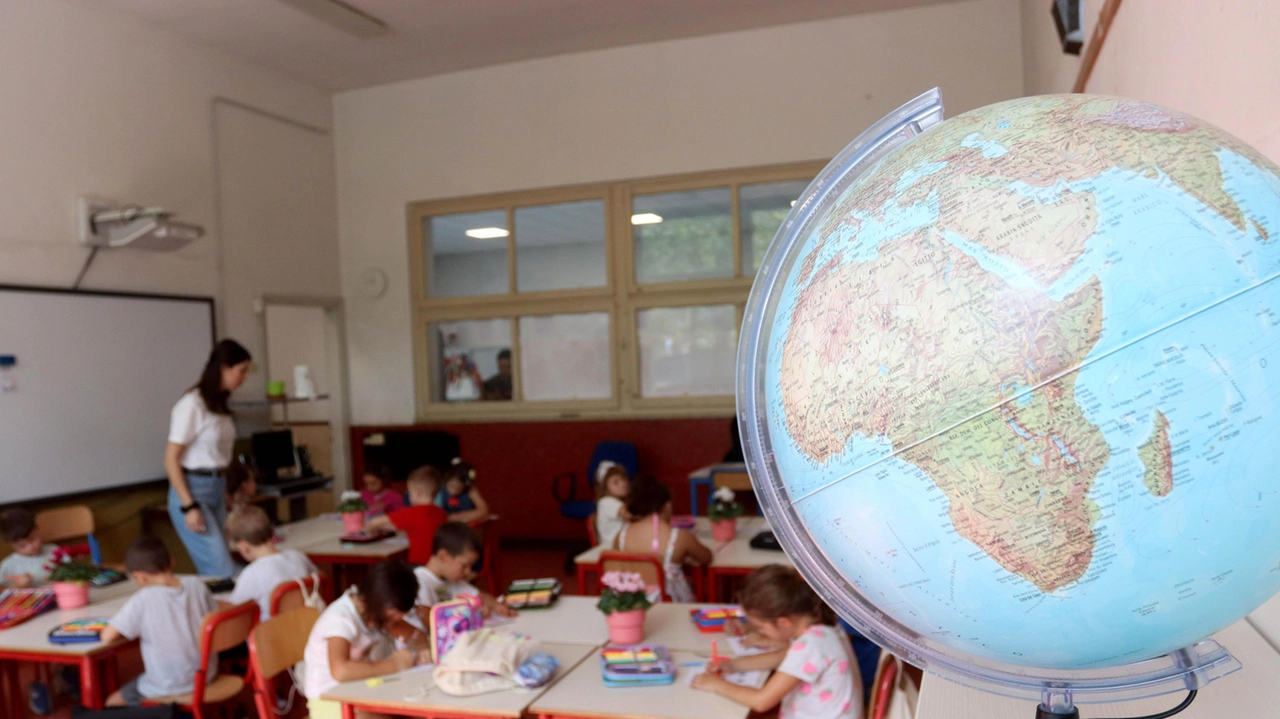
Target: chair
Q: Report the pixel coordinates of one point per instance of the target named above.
(288, 595)
(591, 530)
(219, 632)
(488, 530)
(885, 690)
(648, 566)
(69, 523)
(274, 646)
(623, 453)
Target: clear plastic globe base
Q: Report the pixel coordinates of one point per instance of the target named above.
(1056, 691)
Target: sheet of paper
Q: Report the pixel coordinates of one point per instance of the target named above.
(739, 648)
(754, 679)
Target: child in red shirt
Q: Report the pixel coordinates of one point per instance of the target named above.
(420, 519)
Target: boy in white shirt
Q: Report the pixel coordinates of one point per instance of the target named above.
(249, 531)
(26, 566)
(454, 551)
(165, 615)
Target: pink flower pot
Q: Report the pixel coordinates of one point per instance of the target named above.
(352, 522)
(627, 627)
(71, 594)
(724, 530)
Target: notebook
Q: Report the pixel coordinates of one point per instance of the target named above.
(642, 665)
(80, 631)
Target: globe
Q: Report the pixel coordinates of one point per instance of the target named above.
(1012, 385)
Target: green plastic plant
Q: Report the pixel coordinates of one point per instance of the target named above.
(72, 564)
(352, 502)
(724, 505)
(622, 592)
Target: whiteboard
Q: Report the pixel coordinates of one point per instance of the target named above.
(96, 377)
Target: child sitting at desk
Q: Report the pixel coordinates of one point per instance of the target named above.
(26, 566)
(349, 640)
(650, 531)
(420, 520)
(455, 550)
(460, 498)
(612, 487)
(817, 675)
(249, 531)
(165, 615)
(377, 494)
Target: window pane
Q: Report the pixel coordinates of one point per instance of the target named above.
(461, 264)
(762, 208)
(472, 360)
(565, 357)
(560, 246)
(687, 351)
(683, 235)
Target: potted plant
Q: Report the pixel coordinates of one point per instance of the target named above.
(723, 513)
(352, 510)
(70, 570)
(624, 600)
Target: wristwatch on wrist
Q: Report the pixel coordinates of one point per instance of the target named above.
(194, 505)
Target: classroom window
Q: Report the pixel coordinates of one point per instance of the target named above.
(565, 357)
(761, 210)
(687, 351)
(560, 246)
(683, 235)
(609, 300)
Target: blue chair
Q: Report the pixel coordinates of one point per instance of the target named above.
(623, 453)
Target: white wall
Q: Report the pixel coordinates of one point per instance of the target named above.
(797, 92)
(95, 102)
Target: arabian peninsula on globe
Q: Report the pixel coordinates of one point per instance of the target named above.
(1023, 382)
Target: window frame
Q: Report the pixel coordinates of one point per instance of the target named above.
(622, 297)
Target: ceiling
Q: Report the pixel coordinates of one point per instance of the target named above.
(305, 38)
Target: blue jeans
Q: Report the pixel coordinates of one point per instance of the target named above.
(208, 550)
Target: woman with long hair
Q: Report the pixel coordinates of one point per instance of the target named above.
(201, 436)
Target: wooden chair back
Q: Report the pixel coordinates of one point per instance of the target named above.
(288, 595)
(274, 646)
(648, 566)
(71, 522)
(220, 631)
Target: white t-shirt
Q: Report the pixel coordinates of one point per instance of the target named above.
(341, 619)
(822, 659)
(608, 523)
(258, 581)
(16, 564)
(208, 437)
(167, 621)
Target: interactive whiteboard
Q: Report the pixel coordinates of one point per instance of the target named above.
(86, 404)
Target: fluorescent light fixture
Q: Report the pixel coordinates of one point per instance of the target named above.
(487, 233)
(646, 218)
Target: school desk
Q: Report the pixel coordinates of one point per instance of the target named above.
(582, 693)
(297, 535)
(29, 642)
(402, 694)
(572, 619)
(1251, 692)
(346, 557)
(737, 557)
(731, 474)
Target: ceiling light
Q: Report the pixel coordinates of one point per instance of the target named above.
(646, 218)
(487, 233)
(341, 15)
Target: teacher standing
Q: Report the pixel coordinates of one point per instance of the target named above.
(201, 437)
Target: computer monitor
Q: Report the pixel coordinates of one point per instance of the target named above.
(272, 451)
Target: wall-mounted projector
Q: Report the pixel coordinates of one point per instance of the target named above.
(142, 228)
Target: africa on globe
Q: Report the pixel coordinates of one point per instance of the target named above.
(1020, 381)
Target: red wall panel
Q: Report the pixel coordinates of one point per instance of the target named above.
(516, 461)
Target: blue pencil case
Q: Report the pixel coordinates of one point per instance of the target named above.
(642, 665)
